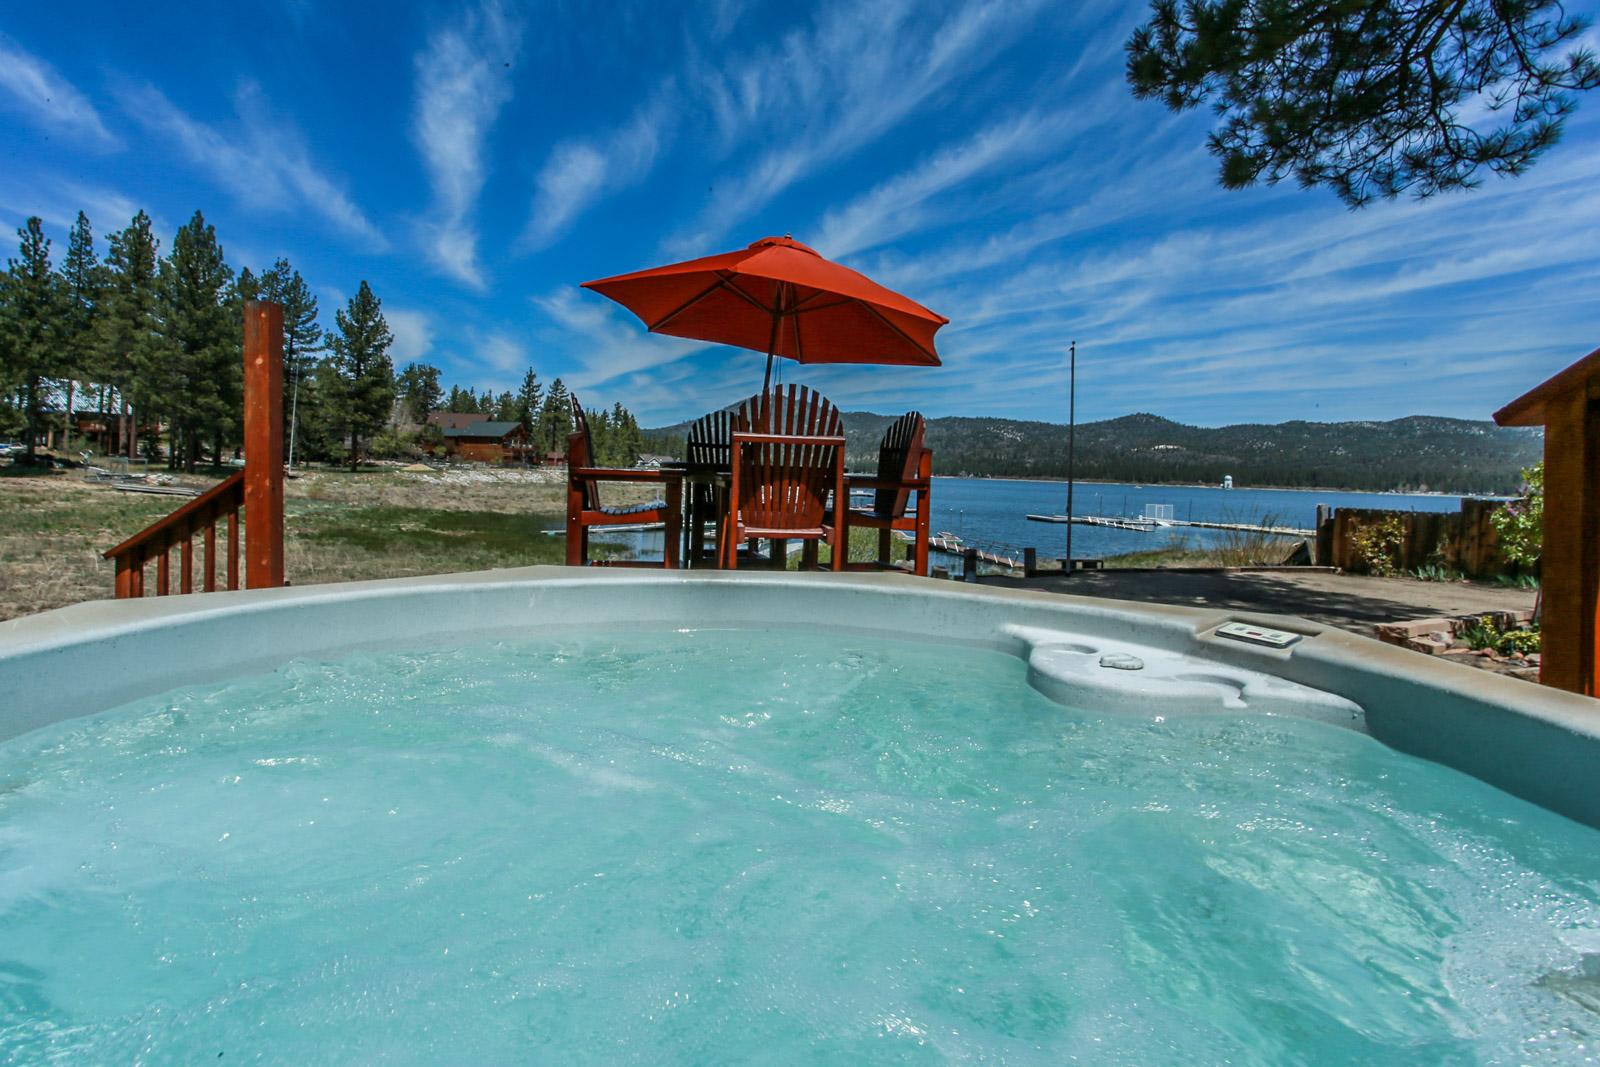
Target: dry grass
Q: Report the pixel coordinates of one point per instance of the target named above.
(338, 527)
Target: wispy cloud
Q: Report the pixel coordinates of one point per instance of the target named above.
(262, 159)
(463, 80)
(413, 334)
(36, 91)
(897, 207)
(825, 92)
(606, 342)
(579, 173)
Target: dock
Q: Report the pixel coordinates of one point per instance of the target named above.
(1146, 525)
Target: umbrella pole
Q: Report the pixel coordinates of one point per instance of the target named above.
(772, 338)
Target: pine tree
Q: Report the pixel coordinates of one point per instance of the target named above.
(528, 401)
(627, 441)
(302, 338)
(486, 403)
(505, 407)
(33, 306)
(419, 386)
(200, 325)
(1369, 98)
(81, 273)
(555, 418)
(128, 330)
(365, 375)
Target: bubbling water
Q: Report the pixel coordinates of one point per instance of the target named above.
(780, 846)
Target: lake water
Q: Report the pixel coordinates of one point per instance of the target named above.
(993, 512)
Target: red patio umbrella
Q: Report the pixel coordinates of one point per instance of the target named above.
(779, 297)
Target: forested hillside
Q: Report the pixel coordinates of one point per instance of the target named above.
(1415, 453)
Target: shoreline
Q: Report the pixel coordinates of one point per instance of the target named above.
(1208, 485)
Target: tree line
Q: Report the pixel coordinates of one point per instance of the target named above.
(152, 343)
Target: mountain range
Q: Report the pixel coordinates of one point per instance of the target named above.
(1420, 453)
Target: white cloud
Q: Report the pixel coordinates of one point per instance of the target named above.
(38, 92)
(579, 173)
(413, 334)
(261, 159)
(895, 207)
(823, 93)
(463, 80)
(606, 342)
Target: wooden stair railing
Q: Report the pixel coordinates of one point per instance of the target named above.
(258, 489)
(156, 542)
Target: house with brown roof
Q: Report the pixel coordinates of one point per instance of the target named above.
(485, 441)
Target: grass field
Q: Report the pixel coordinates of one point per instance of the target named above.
(338, 527)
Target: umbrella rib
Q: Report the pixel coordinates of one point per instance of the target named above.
(681, 308)
(913, 341)
(799, 310)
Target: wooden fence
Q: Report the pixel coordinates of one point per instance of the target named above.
(1460, 540)
(258, 490)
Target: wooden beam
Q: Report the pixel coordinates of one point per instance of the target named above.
(1570, 564)
(263, 444)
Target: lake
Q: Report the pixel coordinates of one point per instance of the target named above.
(993, 511)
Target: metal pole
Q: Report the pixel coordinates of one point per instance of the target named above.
(1072, 432)
(294, 405)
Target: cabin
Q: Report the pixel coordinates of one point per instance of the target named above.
(483, 441)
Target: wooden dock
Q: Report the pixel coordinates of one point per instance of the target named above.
(1146, 525)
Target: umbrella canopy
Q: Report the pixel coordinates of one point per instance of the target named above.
(779, 297)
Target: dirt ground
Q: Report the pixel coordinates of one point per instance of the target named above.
(1348, 601)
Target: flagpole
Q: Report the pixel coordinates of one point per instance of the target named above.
(1072, 430)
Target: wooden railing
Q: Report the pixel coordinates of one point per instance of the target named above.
(258, 489)
(178, 530)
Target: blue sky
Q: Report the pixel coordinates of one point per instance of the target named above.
(476, 162)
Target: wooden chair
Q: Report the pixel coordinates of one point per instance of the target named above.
(585, 510)
(783, 470)
(905, 466)
(710, 449)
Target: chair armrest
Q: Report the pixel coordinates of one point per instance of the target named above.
(785, 439)
(863, 481)
(624, 474)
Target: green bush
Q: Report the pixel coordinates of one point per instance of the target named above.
(1377, 543)
(1520, 522)
(1518, 643)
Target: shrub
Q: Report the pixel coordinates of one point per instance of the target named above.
(1520, 522)
(1518, 643)
(1377, 544)
(1481, 634)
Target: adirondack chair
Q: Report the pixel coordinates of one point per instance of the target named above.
(783, 469)
(710, 449)
(905, 466)
(584, 509)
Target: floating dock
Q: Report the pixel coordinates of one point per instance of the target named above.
(1146, 525)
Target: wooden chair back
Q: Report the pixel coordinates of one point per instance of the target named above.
(711, 440)
(793, 410)
(580, 453)
(784, 484)
(899, 456)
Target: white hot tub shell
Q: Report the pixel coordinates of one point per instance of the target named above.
(1105, 655)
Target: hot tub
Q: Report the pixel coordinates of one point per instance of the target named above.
(552, 814)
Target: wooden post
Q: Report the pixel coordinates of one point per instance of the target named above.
(969, 565)
(1030, 562)
(263, 444)
(1568, 407)
(1570, 564)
